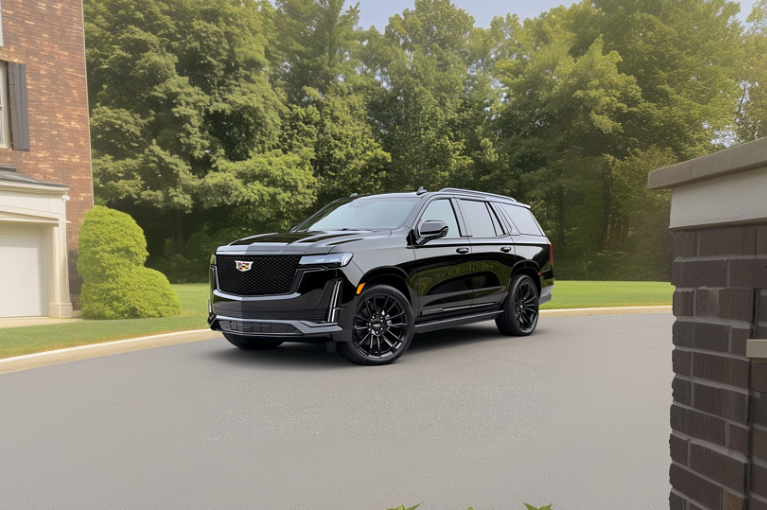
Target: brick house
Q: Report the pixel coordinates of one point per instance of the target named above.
(45, 162)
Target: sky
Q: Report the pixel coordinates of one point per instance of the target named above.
(377, 12)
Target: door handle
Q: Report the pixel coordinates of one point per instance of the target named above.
(462, 250)
(506, 249)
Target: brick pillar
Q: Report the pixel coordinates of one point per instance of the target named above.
(710, 410)
(718, 442)
(757, 351)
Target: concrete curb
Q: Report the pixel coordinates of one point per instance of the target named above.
(618, 310)
(81, 352)
(41, 359)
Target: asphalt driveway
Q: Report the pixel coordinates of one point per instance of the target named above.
(576, 415)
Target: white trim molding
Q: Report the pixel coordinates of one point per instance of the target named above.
(725, 188)
(42, 206)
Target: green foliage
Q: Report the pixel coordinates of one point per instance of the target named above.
(243, 117)
(116, 285)
(133, 293)
(752, 121)
(109, 239)
(313, 42)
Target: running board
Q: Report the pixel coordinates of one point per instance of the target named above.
(423, 327)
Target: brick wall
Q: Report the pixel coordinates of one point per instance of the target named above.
(47, 36)
(719, 417)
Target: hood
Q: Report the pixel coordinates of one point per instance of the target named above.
(310, 242)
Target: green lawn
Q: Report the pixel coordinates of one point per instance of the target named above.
(29, 339)
(569, 294)
(194, 301)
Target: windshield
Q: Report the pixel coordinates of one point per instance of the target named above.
(366, 213)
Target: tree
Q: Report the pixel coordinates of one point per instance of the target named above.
(229, 117)
(178, 90)
(422, 64)
(686, 57)
(564, 123)
(314, 44)
(752, 121)
(346, 157)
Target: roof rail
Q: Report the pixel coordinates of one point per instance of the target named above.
(471, 192)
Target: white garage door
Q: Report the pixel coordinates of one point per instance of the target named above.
(21, 278)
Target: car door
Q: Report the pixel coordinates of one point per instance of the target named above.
(492, 252)
(530, 243)
(443, 265)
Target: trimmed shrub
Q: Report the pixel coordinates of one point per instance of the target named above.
(109, 240)
(116, 285)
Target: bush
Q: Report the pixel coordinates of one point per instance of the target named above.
(116, 285)
(109, 240)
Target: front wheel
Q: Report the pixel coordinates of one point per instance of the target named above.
(520, 313)
(382, 327)
(252, 344)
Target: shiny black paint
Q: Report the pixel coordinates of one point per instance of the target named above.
(441, 278)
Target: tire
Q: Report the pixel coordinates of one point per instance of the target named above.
(382, 327)
(252, 344)
(520, 312)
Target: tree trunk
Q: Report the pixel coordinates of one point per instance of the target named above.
(607, 196)
(179, 231)
(560, 216)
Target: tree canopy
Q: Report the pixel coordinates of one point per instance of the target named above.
(217, 118)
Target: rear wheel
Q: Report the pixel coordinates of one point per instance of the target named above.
(382, 327)
(520, 313)
(247, 343)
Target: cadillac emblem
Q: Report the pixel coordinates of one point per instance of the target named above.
(242, 265)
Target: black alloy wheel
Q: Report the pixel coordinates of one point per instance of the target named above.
(247, 343)
(382, 327)
(520, 313)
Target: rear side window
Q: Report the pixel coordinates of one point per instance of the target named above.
(523, 219)
(476, 215)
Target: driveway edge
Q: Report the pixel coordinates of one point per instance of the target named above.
(81, 352)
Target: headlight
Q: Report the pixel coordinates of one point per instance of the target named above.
(213, 260)
(331, 260)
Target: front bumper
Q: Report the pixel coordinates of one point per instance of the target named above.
(284, 330)
(316, 309)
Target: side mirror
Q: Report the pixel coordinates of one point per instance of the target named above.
(293, 228)
(433, 229)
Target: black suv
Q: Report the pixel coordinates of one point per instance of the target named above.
(367, 272)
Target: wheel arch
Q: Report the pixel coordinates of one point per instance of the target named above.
(530, 269)
(393, 277)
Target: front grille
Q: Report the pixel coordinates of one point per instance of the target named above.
(269, 274)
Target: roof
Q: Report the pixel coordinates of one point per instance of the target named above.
(24, 179)
(460, 191)
(450, 191)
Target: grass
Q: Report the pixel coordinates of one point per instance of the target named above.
(569, 294)
(194, 302)
(30, 339)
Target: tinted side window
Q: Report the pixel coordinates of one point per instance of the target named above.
(500, 212)
(476, 215)
(499, 228)
(441, 210)
(523, 220)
